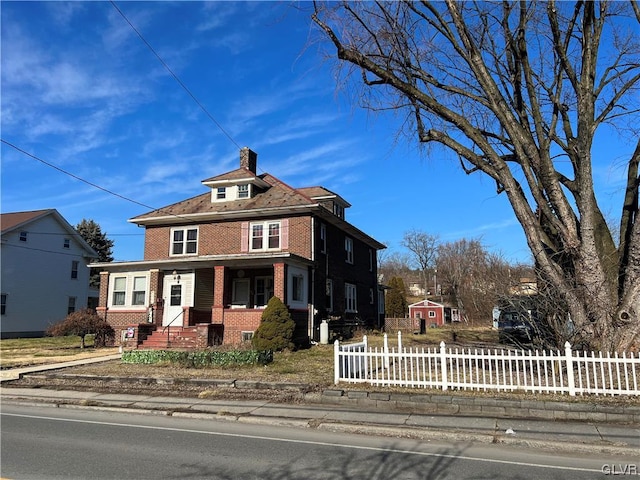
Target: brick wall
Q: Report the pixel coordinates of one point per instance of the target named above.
(224, 238)
(236, 322)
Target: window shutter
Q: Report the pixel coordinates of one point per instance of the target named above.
(244, 237)
(285, 233)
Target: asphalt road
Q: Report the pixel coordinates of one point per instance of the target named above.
(60, 443)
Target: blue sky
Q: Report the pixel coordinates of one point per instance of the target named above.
(80, 90)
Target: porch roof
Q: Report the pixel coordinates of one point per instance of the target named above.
(239, 260)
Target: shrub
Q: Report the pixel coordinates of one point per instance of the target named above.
(198, 359)
(275, 332)
(82, 323)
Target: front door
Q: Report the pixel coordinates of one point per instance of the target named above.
(173, 303)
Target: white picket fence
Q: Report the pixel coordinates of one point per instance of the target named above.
(569, 372)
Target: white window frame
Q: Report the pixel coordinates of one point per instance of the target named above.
(246, 336)
(135, 292)
(184, 242)
(221, 193)
(432, 314)
(418, 314)
(23, 236)
(350, 298)
(66, 243)
(122, 291)
(264, 236)
(237, 302)
(127, 292)
(244, 190)
(3, 303)
(297, 278)
(348, 248)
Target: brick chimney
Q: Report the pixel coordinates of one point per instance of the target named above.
(248, 159)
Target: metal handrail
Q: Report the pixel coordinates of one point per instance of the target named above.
(168, 325)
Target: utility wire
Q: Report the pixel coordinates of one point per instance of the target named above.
(180, 82)
(55, 167)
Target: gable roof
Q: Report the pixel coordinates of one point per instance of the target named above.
(15, 220)
(426, 303)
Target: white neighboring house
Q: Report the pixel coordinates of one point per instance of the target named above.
(43, 272)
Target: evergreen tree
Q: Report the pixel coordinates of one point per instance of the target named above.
(275, 332)
(91, 232)
(396, 301)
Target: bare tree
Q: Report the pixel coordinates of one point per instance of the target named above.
(424, 248)
(518, 91)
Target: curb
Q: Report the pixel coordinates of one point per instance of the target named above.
(425, 434)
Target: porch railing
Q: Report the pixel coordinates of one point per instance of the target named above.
(168, 326)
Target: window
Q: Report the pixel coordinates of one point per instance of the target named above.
(350, 300)
(348, 247)
(371, 297)
(221, 193)
(265, 236)
(247, 336)
(74, 268)
(3, 304)
(71, 307)
(370, 260)
(432, 314)
(139, 291)
(264, 291)
(243, 190)
(119, 290)
(297, 288)
(184, 241)
(418, 315)
(323, 238)
(175, 296)
(67, 243)
(329, 295)
(23, 236)
(240, 292)
(338, 210)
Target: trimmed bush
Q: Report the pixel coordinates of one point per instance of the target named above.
(276, 329)
(82, 323)
(200, 358)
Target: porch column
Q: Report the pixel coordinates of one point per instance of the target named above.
(155, 299)
(103, 297)
(279, 281)
(217, 311)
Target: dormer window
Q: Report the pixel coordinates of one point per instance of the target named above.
(243, 190)
(221, 193)
(338, 210)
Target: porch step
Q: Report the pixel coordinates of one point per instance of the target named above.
(174, 337)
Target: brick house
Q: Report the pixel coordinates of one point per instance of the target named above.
(212, 262)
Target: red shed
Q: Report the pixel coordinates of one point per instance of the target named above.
(431, 312)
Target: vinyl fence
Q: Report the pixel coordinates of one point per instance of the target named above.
(562, 372)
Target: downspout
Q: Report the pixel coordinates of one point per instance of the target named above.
(312, 304)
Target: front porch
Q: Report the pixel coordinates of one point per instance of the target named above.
(205, 306)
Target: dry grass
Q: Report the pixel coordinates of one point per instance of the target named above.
(22, 352)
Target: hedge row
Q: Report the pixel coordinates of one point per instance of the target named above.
(198, 359)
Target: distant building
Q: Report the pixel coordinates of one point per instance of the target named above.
(44, 274)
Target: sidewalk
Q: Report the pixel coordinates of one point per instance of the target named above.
(16, 373)
(575, 436)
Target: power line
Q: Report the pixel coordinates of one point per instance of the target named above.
(55, 167)
(180, 82)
